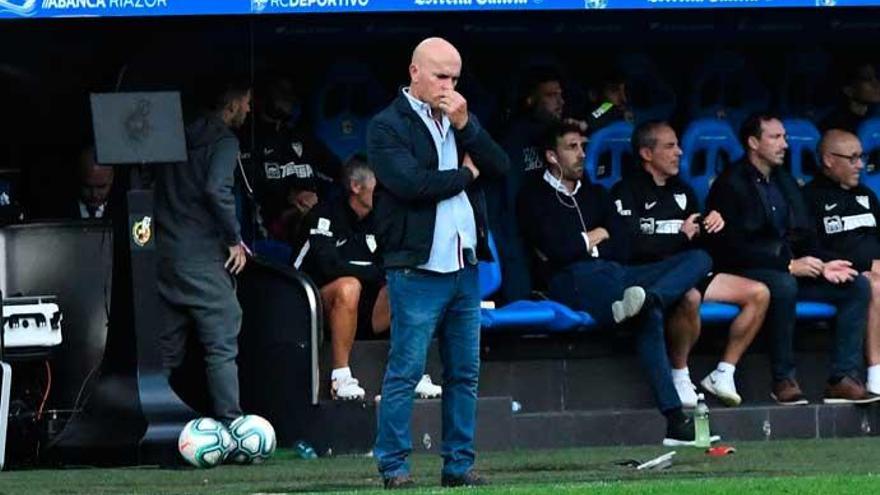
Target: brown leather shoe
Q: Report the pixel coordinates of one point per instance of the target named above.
(788, 393)
(849, 391)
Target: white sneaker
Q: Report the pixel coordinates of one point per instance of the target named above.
(721, 385)
(346, 389)
(630, 305)
(426, 388)
(687, 392)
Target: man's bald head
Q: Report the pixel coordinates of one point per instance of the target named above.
(834, 138)
(432, 49)
(95, 180)
(841, 155)
(434, 70)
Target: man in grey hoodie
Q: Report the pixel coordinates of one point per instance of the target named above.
(200, 250)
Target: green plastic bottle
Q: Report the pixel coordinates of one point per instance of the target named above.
(701, 424)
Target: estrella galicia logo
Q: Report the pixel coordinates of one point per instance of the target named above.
(23, 8)
(595, 4)
(258, 5)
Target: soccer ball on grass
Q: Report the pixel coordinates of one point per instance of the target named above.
(205, 443)
(253, 438)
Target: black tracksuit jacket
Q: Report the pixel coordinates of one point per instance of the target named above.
(551, 224)
(846, 220)
(654, 215)
(340, 245)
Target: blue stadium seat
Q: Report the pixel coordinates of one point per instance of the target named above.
(648, 94)
(869, 134)
(726, 87)
(518, 315)
(716, 312)
(811, 310)
(490, 273)
(802, 159)
(348, 98)
(708, 146)
(524, 315)
(566, 318)
(608, 152)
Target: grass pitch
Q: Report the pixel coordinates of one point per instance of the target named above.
(802, 467)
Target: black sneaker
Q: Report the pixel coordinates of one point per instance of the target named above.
(680, 432)
(399, 482)
(470, 478)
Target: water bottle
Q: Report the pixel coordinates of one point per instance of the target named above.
(701, 424)
(304, 450)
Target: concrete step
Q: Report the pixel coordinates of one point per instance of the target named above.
(581, 373)
(350, 427)
(641, 427)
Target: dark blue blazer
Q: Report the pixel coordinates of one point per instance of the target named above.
(402, 153)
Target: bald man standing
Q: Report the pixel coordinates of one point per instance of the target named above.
(847, 214)
(428, 152)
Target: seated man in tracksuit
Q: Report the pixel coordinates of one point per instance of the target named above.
(572, 226)
(769, 237)
(341, 257)
(846, 215)
(663, 218)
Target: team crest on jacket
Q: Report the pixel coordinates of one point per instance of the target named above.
(833, 225)
(681, 200)
(863, 200)
(371, 243)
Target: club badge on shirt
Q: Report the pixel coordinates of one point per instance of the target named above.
(863, 200)
(371, 243)
(833, 225)
(323, 228)
(681, 200)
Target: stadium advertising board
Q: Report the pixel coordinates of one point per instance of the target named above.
(10, 9)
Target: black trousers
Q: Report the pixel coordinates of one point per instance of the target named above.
(851, 300)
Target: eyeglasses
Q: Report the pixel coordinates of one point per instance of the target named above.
(853, 159)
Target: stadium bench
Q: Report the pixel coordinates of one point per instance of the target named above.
(524, 315)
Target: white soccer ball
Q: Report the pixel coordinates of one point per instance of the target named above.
(254, 439)
(205, 443)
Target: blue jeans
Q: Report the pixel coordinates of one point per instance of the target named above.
(592, 286)
(851, 300)
(420, 303)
